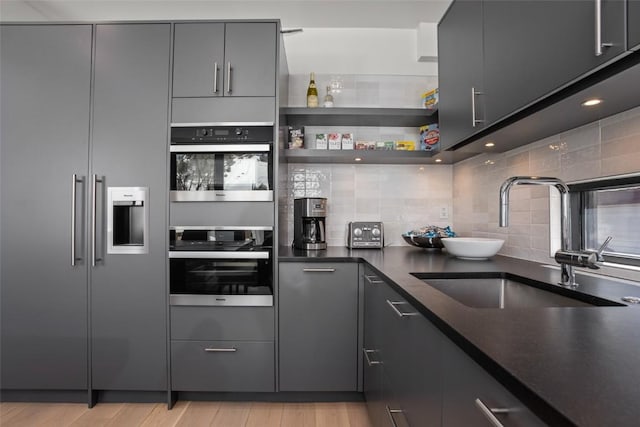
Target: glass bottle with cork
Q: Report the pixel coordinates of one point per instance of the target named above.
(312, 92)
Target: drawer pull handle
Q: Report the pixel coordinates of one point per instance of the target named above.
(489, 413)
(373, 279)
(319, 270)
(221, 350)
(393, 304)
(369, 361)
(391, 412)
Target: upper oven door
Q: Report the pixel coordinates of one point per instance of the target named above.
(221, 162)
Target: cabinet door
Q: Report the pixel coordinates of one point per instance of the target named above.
(198, 60)
(532, 48)
(128, 292)
(250, 51)
(373, 366)
(411, 352)
(318, 318)
(45, 74)
(460, 72)
(464, 382)
(633, 24)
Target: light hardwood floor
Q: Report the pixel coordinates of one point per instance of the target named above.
(191, 414)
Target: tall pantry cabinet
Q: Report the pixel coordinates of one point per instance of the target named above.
(79, 101)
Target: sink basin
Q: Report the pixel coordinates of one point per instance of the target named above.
(504, 290)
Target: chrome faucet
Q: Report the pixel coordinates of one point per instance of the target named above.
(565, 256)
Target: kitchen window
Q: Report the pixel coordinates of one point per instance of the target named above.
(608, 207)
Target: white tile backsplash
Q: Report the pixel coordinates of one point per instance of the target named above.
(607, 147)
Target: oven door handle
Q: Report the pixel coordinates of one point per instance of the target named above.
(219, 255)
(222, 148)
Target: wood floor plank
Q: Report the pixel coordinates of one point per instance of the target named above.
(298, 415)
(198, 414)
(99, 415)
(46, 415)
(232, 414)
(331, 414)
(131, 415)
(265, 414)
(358, 415)
(9, 410)
(162, 417)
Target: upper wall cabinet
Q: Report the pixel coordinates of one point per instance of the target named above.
(461, 75)
(497, 57)
(633, 20)
(224, 59)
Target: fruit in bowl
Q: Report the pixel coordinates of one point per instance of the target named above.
(428, 237)
(475, 248)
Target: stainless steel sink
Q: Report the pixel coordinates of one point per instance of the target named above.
(508, 291)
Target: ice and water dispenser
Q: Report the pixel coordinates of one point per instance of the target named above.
(127, 220)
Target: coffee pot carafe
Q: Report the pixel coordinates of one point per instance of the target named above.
(309, 223)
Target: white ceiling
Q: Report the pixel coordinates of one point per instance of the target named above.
(293, 14)
(380, 29)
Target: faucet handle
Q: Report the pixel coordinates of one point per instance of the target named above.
(601, 249)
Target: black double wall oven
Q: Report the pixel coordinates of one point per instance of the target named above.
(214, 263)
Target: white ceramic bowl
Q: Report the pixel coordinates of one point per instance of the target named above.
(472, 247)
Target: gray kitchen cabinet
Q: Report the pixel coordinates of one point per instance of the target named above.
(222, 349)
(633, 24)
(129, 149)
(496, 58)
(45, 76)
(461, 82)
(467, 388)
(223, 366)
(530, 51)
(318, 326)
(224, 59)
(402, 369)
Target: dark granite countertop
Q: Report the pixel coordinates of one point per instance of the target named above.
(570, 365)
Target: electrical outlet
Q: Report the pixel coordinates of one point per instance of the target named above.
(444, 212)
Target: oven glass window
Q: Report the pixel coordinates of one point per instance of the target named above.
(221, 276)
(220, 171)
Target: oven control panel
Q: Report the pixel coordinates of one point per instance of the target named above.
(365, 234)
(209, 134)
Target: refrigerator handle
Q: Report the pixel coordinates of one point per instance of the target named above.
(74, 203)
(94, 189)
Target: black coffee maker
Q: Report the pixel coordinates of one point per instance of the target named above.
(309, 215)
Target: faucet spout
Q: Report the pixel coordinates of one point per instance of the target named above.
(568, 275)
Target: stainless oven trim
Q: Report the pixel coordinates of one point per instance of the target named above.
(220, 227)
(219, 255)
(223, 300)
(222, 148)
(205, 124)
(221, 196)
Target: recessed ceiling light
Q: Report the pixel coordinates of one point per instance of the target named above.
(591, 102)
(357, 159)
(490, 144)
(438, 160)
(421, 168)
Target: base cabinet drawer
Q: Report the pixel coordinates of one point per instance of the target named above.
(223, 366)
(222, 323)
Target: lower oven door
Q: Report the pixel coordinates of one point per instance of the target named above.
(233, 278)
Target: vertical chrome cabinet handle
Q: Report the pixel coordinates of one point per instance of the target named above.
(319, 270)
(369, 361)
(390, 412)
(74, 203)
(598, 16)
(215, 77)
(372, 279)
(228, 77)
(489, 413)
(393, 304)
(94, 188)
(474, 121)
(221, 350)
